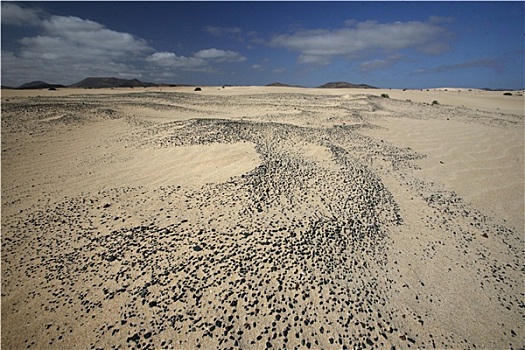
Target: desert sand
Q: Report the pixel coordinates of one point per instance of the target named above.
(262, 217)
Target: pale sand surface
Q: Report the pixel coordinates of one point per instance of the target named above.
(257, 217)
(483, 164)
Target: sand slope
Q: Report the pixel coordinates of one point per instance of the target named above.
(261, 218)
(483, 164)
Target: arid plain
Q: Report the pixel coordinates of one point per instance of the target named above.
(262, 217)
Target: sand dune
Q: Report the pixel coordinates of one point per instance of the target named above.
(262, 217)
(483, 164)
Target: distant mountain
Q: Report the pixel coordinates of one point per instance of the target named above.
(345, 85)
(282, 85)
(92, 83)
(96, 83)
(489, 89)
(39, 85)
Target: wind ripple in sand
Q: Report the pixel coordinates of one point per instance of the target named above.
(483, 164)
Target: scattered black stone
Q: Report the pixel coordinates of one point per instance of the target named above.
(134, 338)
(111, 258)
(295, 243)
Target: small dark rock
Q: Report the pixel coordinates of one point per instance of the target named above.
(134, 338)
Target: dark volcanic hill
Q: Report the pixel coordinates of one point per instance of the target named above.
(282, 85)
(39, 85)
(96, 83)
(345, 85)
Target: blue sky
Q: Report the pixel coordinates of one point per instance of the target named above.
(385, 44)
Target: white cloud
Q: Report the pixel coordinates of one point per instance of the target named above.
(90, 37)
(257, 67)
(56, 24)
(198, 62)
(320, 46)
(313, 59)
(171, 60)
(13, 14)
(69, 49)
(220, 55)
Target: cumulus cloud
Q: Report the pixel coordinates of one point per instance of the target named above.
(65, 38)
(200, 61)
(14, 14)
(84, 47)
(69, 48)
(320, 46)
(171, 60)
(220, 55)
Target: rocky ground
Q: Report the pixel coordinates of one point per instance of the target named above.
(329, 240)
